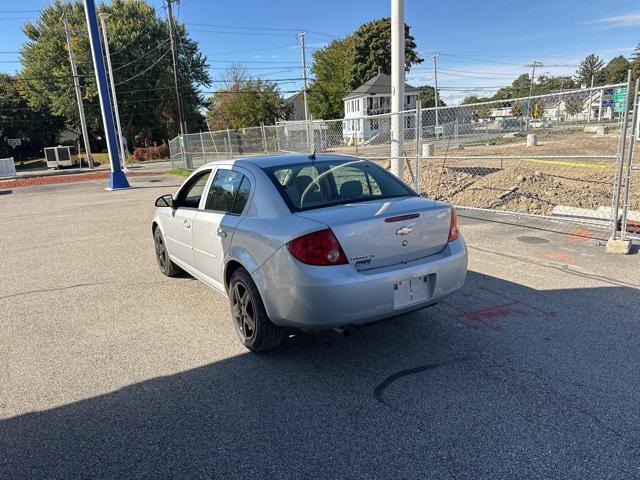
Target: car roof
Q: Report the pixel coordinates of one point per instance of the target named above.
(267, 161)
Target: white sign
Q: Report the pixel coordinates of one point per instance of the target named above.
(14, 142)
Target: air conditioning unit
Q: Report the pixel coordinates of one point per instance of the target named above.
(59, 156)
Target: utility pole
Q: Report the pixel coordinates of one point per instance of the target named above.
(397, 86)
(435, 80)
(304, 75)
(533, 76)
(123, 155)
(176, 74)
(310, 141)
(76, 84)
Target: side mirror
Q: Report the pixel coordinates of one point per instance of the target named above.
(165, 201)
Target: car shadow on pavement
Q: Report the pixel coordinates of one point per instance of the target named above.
(500, 381)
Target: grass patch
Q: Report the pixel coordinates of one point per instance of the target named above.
(180, 171)
(493, 141)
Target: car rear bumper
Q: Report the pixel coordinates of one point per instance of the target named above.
(305, 296)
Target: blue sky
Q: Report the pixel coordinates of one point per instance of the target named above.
(482, 45)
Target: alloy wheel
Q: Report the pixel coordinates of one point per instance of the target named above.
(243, 311)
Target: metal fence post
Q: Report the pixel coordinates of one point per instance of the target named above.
(229, 140)
(627, 179)
(418, 140)
(213, 140)
(204, 157)
(620, 161)
(277, 127)
(264, 138)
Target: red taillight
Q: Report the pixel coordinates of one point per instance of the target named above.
(454, 231)
(318, 248)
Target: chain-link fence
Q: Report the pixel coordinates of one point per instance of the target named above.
(552, 155)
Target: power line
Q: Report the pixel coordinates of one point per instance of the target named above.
(146, 54)
(145, 70)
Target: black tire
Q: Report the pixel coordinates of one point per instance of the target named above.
(167, 267)
(255, 330)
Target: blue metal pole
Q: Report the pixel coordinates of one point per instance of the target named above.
(117, 178)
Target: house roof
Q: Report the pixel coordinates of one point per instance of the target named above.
(381, 83)
(293, 97)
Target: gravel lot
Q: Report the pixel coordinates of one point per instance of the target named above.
(110, 370)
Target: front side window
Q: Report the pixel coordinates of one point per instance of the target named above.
(229, 192)
(189, 196)
(327, 183)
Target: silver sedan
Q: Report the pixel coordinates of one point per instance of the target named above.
(310, 242)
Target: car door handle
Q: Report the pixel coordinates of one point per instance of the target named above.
(222, 233)
(186, 224)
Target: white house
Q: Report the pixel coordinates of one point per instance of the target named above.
(370, 99)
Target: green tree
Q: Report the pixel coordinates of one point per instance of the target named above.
(616, 70)
(372, 43)
(635, 60)
(332, 71)
(245, 102)
(517, 109)
(139, 44)
(34, 126)
(573, 105)
(591, 66)
(428, 97)
(544, 85)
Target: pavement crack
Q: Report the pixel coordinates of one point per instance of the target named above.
(382, 386)
(57, 289)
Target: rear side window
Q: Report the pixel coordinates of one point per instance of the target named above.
(229, 192)
(327, 183)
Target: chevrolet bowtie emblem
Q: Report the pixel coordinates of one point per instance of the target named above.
(406, 230)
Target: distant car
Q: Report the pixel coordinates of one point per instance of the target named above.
(310, 243)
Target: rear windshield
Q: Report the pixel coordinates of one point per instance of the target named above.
(326, 183)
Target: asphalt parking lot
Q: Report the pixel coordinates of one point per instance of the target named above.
(110, 370)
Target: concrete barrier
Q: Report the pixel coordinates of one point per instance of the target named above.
(532, 140)
(597, 129)
(428, 149)
(7, 167)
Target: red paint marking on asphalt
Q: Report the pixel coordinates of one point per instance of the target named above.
(69, 178)
(580, 235)
(500, 307)
(558, 256)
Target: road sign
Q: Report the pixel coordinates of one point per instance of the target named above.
(438, 130)
(14, 142)
(620, 99)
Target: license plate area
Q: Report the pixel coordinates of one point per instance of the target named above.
(413, 290)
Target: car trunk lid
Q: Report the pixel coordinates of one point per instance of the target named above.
(386, 232)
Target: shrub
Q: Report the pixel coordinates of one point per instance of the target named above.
(150, 153)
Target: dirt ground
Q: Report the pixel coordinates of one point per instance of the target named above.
(532, 185)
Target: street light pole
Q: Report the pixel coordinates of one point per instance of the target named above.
(123, 154)
(176, 75)
(76, 84)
